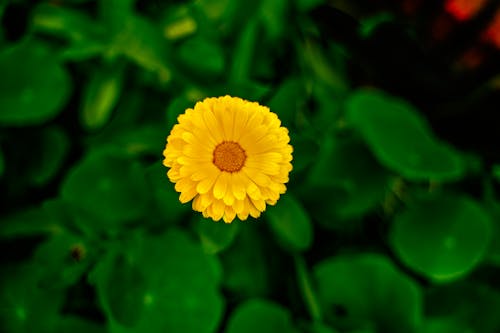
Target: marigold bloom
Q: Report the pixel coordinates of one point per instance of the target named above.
(230, 156)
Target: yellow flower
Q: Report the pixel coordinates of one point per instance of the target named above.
(230, 156)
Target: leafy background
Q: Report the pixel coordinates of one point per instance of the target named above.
(390, 223)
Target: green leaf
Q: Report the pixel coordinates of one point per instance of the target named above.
(117, 193)
(153, 283)
(54, 146)
(66, 23)
(305, 151)
(177, 107)
(442, 236)
(101, 95)
(125, 291)
(346, 175)
(366, 291)
(370, 24)
(145, 139)
(76, 324)
(273, 15)
(244, 53)
(28, 222)
(307, 5)
(466, 304)
(245, 265)
(64, 258)
(401, 139)
(215, 237)
(259, 315)
(141, 42)
(318, 327)
(291, 223)
(166, 199)
(34, 86)
(180, 22)
(116, 12)
(444, 325)
(192, 50)
(286, 101)
(25, 306)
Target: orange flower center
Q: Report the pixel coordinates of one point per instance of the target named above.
(229, 156)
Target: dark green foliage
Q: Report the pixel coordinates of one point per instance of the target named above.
(390, 222)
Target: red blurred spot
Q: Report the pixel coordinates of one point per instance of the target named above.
(471, 59)
(463, 10)
(492, 33)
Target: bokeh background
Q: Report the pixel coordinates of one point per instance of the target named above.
(391, 218)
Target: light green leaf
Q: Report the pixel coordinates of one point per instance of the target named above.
(442, 236)
(67, 23)
(100, 95)
(401, 139)
(34, 86)
(367, 292)
(142, 42)
(290, 223)
(259, 315)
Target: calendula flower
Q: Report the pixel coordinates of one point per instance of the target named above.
(230, 156)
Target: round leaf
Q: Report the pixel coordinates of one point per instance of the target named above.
(157, 284)
(261, 316)
(215, 237)
(24, 305)
(291, 224)
(246, 270)
(353, 180)
(54, 146)
(401, 139)
(34, 86)
(107, 185)
(64, 258)
(166, 199)
(367, 292)
(442, 237)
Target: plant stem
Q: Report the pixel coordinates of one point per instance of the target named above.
(306, 289)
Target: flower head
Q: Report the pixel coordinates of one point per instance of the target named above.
(230, 156)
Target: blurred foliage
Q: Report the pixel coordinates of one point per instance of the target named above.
(391, 218)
